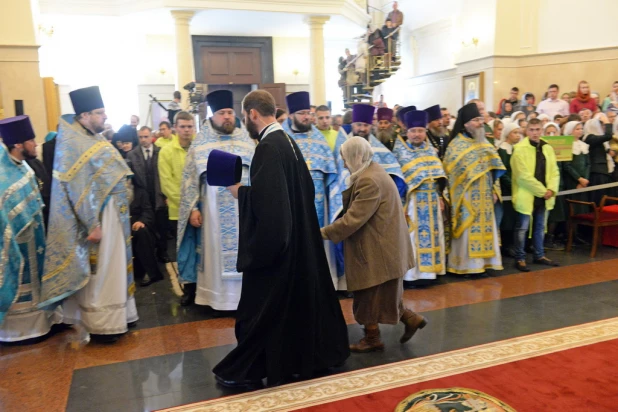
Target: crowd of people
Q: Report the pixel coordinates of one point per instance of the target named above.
(363, 203)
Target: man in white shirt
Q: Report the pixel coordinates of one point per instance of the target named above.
(552, 105)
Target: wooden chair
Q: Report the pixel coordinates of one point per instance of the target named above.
(599, 218)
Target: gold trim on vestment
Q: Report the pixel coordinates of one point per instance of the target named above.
(81, 162)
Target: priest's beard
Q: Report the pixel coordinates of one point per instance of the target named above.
(385, 135)
(300, 127)
(437, 131)
(478, 134)
(252, 128)
(226, 128)
(27, 155)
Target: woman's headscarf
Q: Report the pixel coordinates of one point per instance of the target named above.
(50, 136)
(508, 128)
(543, 116)
(580, 96)
(551, 124)
(357, 153)
(569, 127)
(514, 115)
(523, 102)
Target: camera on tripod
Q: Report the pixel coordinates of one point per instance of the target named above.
(196, 95)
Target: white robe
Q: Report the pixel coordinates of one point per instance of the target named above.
(460, 263)
(102, 306)
(33, 323)
(216, 287)
(415, 273)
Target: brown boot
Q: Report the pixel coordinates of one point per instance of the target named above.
(370, 343)
(413, 322)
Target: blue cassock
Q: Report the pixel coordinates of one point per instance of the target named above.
(22, 244)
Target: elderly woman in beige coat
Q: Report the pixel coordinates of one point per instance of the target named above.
(377, 248)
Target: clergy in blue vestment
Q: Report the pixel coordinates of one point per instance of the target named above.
(88, 259)
(321, 163)
(362, 118)
(424, 204)
(208, 215)
(23, 237)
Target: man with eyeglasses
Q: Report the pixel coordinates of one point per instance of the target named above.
(320, 161)
(88, 258)
(472, 165)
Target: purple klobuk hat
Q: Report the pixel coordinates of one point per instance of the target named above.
(402, 112)
(416, 118)
(224, 169)
(384, 113)
(298, 101)
(16, 130)
(363, 113)
(434, 113)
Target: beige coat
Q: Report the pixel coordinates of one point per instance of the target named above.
(377, 245)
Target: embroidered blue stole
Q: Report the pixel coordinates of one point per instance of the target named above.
(88, 172)
(22, 245)
(422, 168)
(472, 168)
(321, 163)
(189, 243)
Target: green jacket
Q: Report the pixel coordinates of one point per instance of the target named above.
(171, 163)
(525, 186)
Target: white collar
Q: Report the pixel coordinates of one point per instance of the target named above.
(507, 147)
(580, 147)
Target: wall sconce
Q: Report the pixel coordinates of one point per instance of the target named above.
(475, 42)
(162, 71)
(295, 72)
(48, 31)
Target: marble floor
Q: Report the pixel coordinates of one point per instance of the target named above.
(167, 359)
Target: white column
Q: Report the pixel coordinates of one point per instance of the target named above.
(317, 78)
(184, 51)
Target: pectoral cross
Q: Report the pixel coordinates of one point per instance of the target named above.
(123, 209)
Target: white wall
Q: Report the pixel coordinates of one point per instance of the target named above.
(574, 25)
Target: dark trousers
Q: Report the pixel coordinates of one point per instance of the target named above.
(144, 260)
(162, 228)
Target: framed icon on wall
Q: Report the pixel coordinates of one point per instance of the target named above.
(473, 87)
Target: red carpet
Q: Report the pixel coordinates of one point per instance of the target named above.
(569, 369)
(580, 379)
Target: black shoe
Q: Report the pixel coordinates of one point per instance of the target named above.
(247, 384)
(546, 262)
(188, 298)
(105, 339)
(521, 266)
(551, 243)
(132, 324)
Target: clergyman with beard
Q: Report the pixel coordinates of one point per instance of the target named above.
(207, 217)
(436, 133)
(472, 166)
(385, 134)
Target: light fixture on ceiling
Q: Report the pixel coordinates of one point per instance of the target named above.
(46, 30)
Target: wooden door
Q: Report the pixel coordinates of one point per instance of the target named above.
(278, 92)
(230, 65)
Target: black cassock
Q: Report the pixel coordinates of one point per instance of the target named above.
(289, 319)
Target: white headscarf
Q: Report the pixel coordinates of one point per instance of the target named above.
(502, 143)
(514, 115)
(579, 146)
(543, 116)
(357, 153)
(551, 124)
(569, 127)
(594, 127)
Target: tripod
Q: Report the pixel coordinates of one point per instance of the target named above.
(154, 100)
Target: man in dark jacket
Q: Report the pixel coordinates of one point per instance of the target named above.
(143, 160)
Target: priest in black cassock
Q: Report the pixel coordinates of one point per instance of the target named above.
(289, 322)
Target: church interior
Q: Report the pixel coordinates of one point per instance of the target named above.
(541, 339)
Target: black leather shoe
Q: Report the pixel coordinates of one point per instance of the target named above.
(105, 339)
(547, 262)
(247, 384)
(147, 280)
(188, 298)
(132, 324)
(521, 266)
